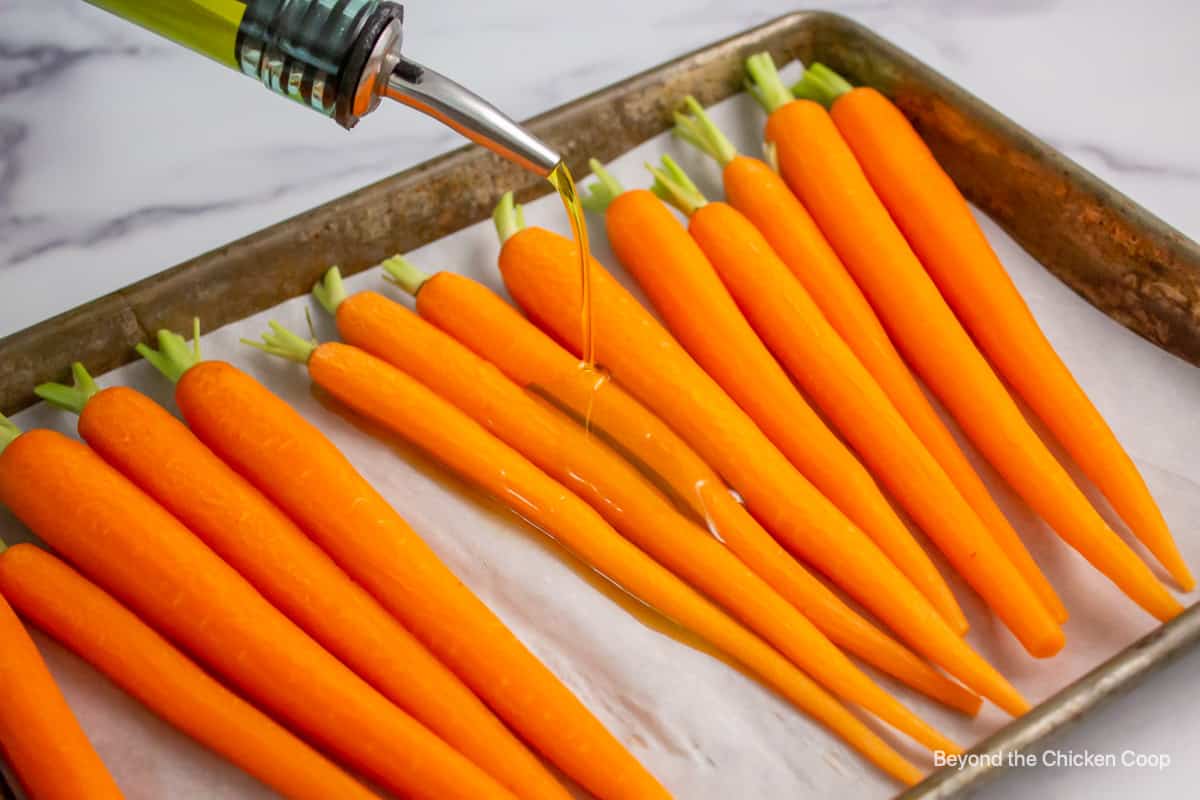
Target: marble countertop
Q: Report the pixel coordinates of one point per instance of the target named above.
(121, 154)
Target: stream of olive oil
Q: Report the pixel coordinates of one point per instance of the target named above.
(560, 178)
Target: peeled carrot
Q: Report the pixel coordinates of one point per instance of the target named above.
(158, 453)
(296, 466)
(541, 272)
(399, 403)
(757, 191)
(573, 456)
(820, 168)
(490, 327)
(935, 218)
(39, 736)
(104, 633)
(676, 275)
(136, 550)
(792, 326)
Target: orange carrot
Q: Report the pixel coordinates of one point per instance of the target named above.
(296, 466)
(39, 736)
(101, 631)
(935, 218)
(571, 455)
(490, 327)
(400, 404)
(757, 191)
(779, 308)
(819, 166)
(136, 550)
(164, 458)
(674, 273)
(538, 270)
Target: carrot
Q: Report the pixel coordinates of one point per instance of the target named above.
(757, 191)
(568, 453)
(792, 326)
(674, 273)
(399, 403)
(135, 549)
(935, 218)
(490, 327)
(39, 736)
(297, 467)
(820, 168)
(108, 636)
(158, 453)
(537, 269)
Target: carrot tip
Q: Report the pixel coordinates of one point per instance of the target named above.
(764, 83)
(70, 398)
(173, 357)
(281, 342)
(821, 84)
(509, 217)
(329, 291)
(598, 196)
(405, 274)
(697, 129)
(672, 185)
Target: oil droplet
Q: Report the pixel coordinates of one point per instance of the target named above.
(598, 376)
(703, 487)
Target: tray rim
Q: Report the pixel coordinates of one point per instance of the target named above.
(1118, 674)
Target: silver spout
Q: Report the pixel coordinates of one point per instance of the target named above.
(436, 95)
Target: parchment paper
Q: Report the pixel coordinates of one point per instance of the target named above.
(704, 729)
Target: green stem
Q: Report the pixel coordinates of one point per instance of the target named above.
(764, 83)
(699, 131)
(405, 274)
(821, 84)
(70, 398)
(173, 356)
(598, 196)
(279, 341)
(8, 432)
(673, 185)
(509, 217)
(330, 291)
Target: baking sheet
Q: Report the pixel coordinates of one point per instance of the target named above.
(704, 729)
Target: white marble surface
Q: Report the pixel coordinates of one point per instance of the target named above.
(121, 155)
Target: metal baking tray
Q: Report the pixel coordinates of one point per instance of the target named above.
(1121, 258)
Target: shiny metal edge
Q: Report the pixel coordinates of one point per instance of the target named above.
(1115, 676)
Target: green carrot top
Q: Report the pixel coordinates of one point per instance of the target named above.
(673, 185)
(279, 341)
(764, 83)
(173, 356)
(8, 432)
(402, 272)
(330, 291)
(821, 84)
(509, 217)
(70, 398)
(697, 129)
(597, 197)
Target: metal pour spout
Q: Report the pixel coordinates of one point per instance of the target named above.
(466, 112)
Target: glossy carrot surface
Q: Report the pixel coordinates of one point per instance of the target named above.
(264, 439)
(490, 327)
